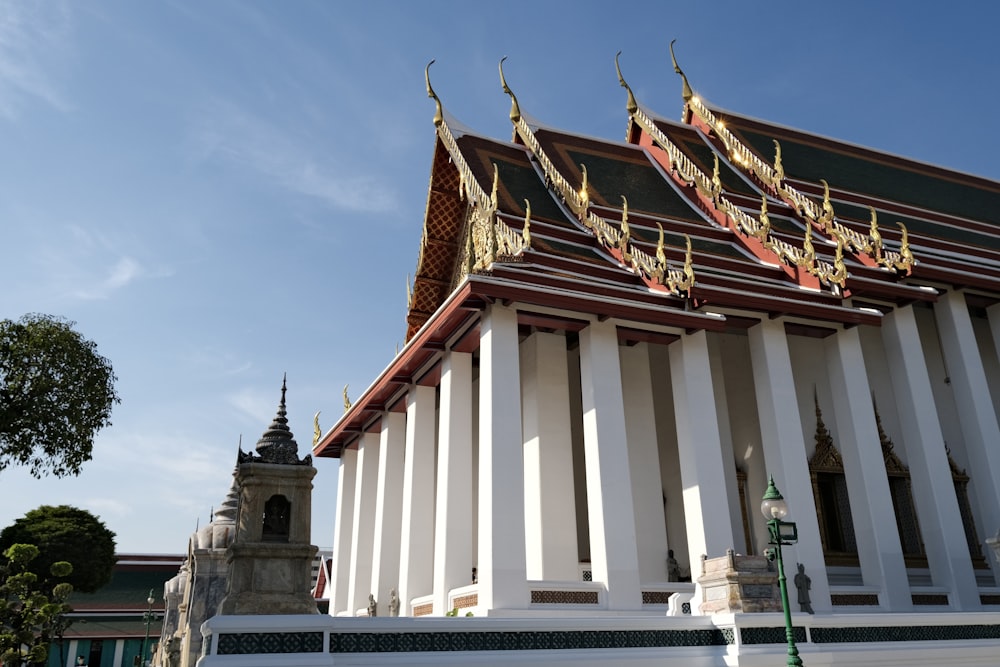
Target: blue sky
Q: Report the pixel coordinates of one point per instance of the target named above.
(222, 192)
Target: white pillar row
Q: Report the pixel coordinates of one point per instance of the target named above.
(699, 448)
(453, 512)
(549, 504)
(502, 562)
(614, 556)
(785, 454)
(416, 537)
(363, 530)
(879, 550)
(340, 571)
(933, 488)
(388, 509)
(644, 463)
(972, 400)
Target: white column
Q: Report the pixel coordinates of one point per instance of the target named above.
(699, 448)
(879, 549)
(972, 400)
(933, 488)
(644, 463)
(549, 505)
(388, 509)
(340, 573)
(502, 565)
(784, 452)
(453, 512)
(416, 554)
(363, 530)
(614, 558)
(726, 438)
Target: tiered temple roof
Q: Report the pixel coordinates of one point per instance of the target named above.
(709, 223)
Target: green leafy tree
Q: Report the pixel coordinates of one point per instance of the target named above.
(32, 614)
(56, 393)
(64, 533)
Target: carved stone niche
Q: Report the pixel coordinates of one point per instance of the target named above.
(734, 583)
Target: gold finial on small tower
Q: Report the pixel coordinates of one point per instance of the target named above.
(439, 112)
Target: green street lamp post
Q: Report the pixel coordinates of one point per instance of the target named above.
(774, 508)
(148, 618)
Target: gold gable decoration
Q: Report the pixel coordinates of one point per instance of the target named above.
(488, 238)
(773, 178)
(710, 188)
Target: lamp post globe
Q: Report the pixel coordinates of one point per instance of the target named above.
(774, 508)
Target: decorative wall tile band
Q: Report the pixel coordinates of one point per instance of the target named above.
(423, 609)
(929, 599)
(370, 642)
(270, 642)
(908, 633)
(771, 635)
(564, 597)
(857, 600)
(464, 601)
(656, 597)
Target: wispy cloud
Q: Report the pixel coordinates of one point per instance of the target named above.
(228, 134)
(119, 275)
(33, 38)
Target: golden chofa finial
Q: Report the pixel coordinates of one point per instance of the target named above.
(626, 232)
(526, 230)
(765, 220)
(779, 170)
(874, 235)
(688, 264)
(905, 254)
(317, 433)
(631, 106)
(347, 401)
(716, 180)
(494, 201)
(808, 258)
(686, 91)
(515, 110)
(584, 189)
(439, 112)
(409, 292)
(826, 219)
(661, 253)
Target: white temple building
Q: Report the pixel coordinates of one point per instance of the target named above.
(611, 347)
